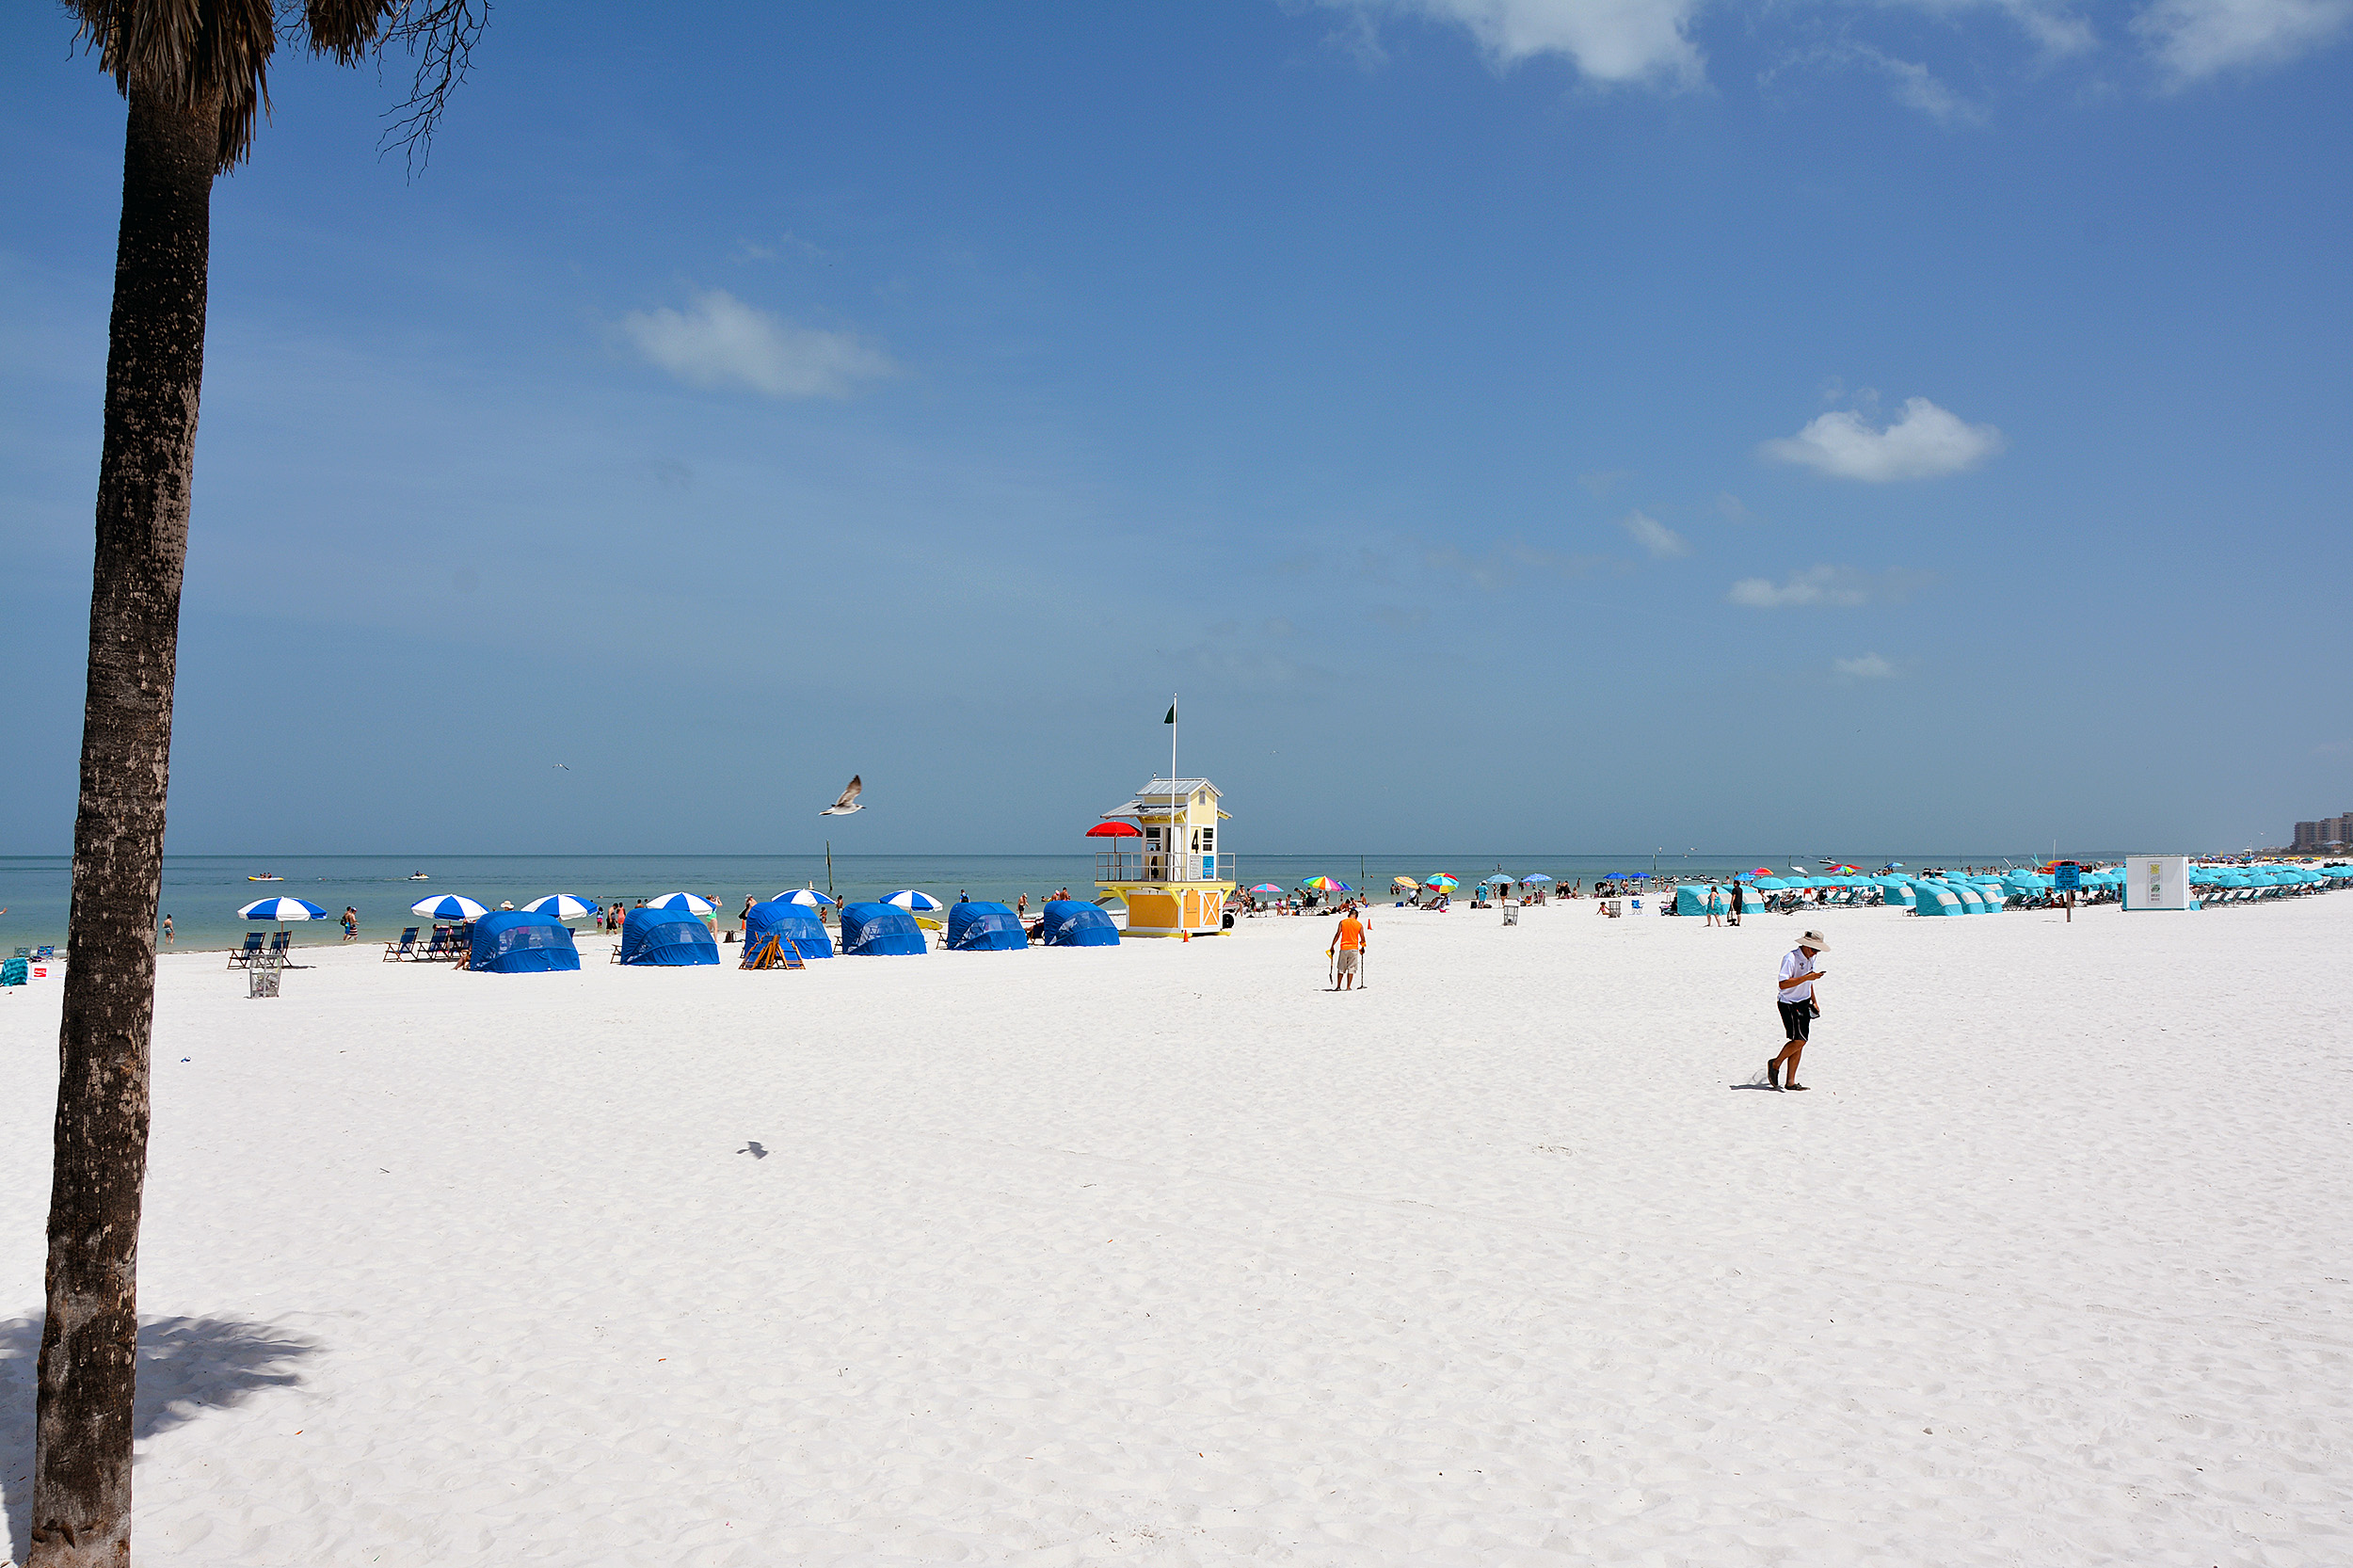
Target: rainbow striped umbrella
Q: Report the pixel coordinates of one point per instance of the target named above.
(1444, 883)
(1320, 884)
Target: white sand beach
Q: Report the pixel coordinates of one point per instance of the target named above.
(1166, 1254)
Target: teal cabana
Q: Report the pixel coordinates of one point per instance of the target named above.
(1692, 900)
(1934, 898)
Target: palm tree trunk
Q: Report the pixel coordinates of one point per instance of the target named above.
(155, 373)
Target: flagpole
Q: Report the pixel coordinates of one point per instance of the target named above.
(1171, 781)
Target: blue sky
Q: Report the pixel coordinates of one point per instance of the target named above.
(1522, 423)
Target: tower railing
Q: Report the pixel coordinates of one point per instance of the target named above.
(1152, 865)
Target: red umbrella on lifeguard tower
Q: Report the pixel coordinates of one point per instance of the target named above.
(1115, 830)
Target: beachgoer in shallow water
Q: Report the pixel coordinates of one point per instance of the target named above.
(167, 928)
(1800, 970)
(351, 924)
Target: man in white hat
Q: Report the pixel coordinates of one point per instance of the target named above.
(1800, 970)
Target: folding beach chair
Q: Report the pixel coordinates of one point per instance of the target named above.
(405, 948)
(243, 957)
(276, 958)
(774, 953)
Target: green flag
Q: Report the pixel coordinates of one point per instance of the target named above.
(1172, 714)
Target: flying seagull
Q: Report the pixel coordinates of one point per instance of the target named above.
(566, 766)
(848, 803)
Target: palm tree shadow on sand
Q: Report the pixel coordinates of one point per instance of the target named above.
(187, 1366)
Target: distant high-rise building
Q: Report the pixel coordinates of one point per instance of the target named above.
(2328, 833)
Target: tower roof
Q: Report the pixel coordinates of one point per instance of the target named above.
(1154, 796)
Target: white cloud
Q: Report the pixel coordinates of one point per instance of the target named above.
(1609, 41)
(1663, 542)
(2196, 39)
(1911, 85)
(1824, 587)
(1729, 505)
(2051, 23)
(720, 341)
(1925, 443)
(1870, 666)
(1915, 88)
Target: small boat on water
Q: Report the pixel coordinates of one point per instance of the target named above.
(265, 876)
(419, 877)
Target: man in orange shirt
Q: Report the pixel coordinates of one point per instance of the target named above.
(1349, 943)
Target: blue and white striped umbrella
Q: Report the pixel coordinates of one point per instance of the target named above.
(281, 909)
(449, 907)
(1535, 876)
(564, 907)
(808, 898)
(692, 904)
(907, 898)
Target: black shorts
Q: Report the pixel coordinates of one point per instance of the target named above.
(1797, 1017)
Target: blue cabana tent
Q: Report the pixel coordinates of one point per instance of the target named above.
(517, 941)
(878, 930)
(985, 928)
(666, 938)
(1075, 923)
(794, 923)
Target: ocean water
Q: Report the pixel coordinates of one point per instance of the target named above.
(202, 893)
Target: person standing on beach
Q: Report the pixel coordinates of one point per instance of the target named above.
(1713, 918)
(1800, 970)
(1740, 900)
(1348, 943)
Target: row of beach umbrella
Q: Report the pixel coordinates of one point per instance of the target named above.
(567, 906)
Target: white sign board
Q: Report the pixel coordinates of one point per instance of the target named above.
(2156, 882)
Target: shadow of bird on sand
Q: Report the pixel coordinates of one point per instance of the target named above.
(187, 1366)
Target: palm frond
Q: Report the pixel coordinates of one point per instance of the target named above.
(213, 56)
(203, 55)
(345, 29)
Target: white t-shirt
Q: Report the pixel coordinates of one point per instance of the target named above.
(1793, 966)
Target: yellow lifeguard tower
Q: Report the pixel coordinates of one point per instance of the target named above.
(1177, 883)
